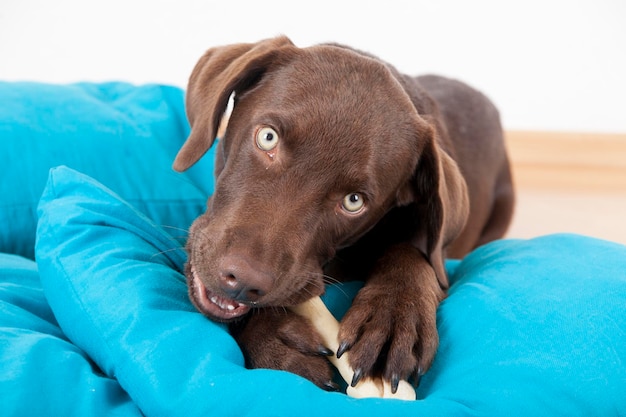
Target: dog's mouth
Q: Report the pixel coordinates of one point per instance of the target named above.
(213, 305)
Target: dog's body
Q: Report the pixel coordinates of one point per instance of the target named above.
(335, 166)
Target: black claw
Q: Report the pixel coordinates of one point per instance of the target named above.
(331, 386)
(324, 351)
(417, 377)
(416, 380)
(358, 374)
(343, 347)
(395, 381)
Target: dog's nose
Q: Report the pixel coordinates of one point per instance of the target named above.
(241, 281)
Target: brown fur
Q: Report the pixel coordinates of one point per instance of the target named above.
(425, 154)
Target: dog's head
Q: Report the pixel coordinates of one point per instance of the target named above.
(322, 142)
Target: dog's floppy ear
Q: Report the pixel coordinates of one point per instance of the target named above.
(219, 73)
(442, 204)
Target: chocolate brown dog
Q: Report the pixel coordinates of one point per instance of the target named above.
(335, 166)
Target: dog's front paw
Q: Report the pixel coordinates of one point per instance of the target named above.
(283, 340)
(391, 330)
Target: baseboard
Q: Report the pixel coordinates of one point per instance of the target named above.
(568, 161)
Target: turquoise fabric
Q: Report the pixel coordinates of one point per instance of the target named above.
(123, 135)
(530, 327)
(42, 372)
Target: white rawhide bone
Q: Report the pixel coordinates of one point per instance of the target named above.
(328, 327)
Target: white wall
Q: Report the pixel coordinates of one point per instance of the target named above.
(548, 64)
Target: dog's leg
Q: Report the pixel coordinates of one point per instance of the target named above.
(391, 328)
(502, 209)
(328, 327)
(276, 338)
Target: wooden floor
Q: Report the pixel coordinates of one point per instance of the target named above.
(568, 182)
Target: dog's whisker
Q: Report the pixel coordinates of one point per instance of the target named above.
(180, 229)
(162, 252)
(327, 279)
(330, 280)
(312, 277)
(278, 309)
(338, 286)
(180, 237)
(201, 232)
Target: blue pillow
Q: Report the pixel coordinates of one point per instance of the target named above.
(38, 363)
(530, 327)
(123, 135)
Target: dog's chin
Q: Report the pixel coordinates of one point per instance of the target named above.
(213, 305)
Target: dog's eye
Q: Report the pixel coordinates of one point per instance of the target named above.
(266, 138)
(353, 203)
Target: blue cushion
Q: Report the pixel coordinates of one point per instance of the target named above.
(535, 328)
(44, 374)
(123, 135)
(530, 327)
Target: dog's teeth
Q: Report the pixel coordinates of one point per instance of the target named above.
(222, 303)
